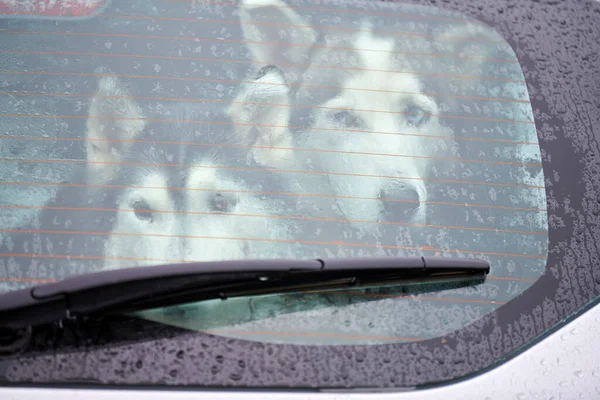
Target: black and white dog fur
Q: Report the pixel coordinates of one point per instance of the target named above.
(321, 137)
(156, 192)
(337, 102)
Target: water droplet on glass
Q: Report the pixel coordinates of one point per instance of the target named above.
(578, 374)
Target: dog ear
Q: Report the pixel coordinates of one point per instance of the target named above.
(479, 63)
(275, 34)
(114, 118)
(260, 113)
(474, 46)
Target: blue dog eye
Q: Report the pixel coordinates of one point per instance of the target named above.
(347, 119)
(416, 116)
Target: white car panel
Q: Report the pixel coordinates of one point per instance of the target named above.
(565, 365)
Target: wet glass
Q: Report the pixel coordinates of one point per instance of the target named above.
(243, 130)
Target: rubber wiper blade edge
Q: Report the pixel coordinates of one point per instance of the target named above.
(157, 286)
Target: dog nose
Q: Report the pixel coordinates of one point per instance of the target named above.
(223, 202)
(400, 203)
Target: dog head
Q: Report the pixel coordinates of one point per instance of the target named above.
(362, 104)
(160, 190)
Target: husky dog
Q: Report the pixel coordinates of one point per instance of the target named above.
(157, 191)
(340, 104)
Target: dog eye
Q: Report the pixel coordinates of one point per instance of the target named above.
(347, 119)
(222, 203)
(416, 116)
(142, 211)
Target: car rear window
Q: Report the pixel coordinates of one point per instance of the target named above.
(158, 132)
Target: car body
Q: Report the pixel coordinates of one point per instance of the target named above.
(538, 230)
(557, 366)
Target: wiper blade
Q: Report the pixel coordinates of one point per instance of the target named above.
(134, 289)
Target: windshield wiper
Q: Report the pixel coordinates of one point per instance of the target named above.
(134, 289)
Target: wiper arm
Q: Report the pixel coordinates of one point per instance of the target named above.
(134, 289)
